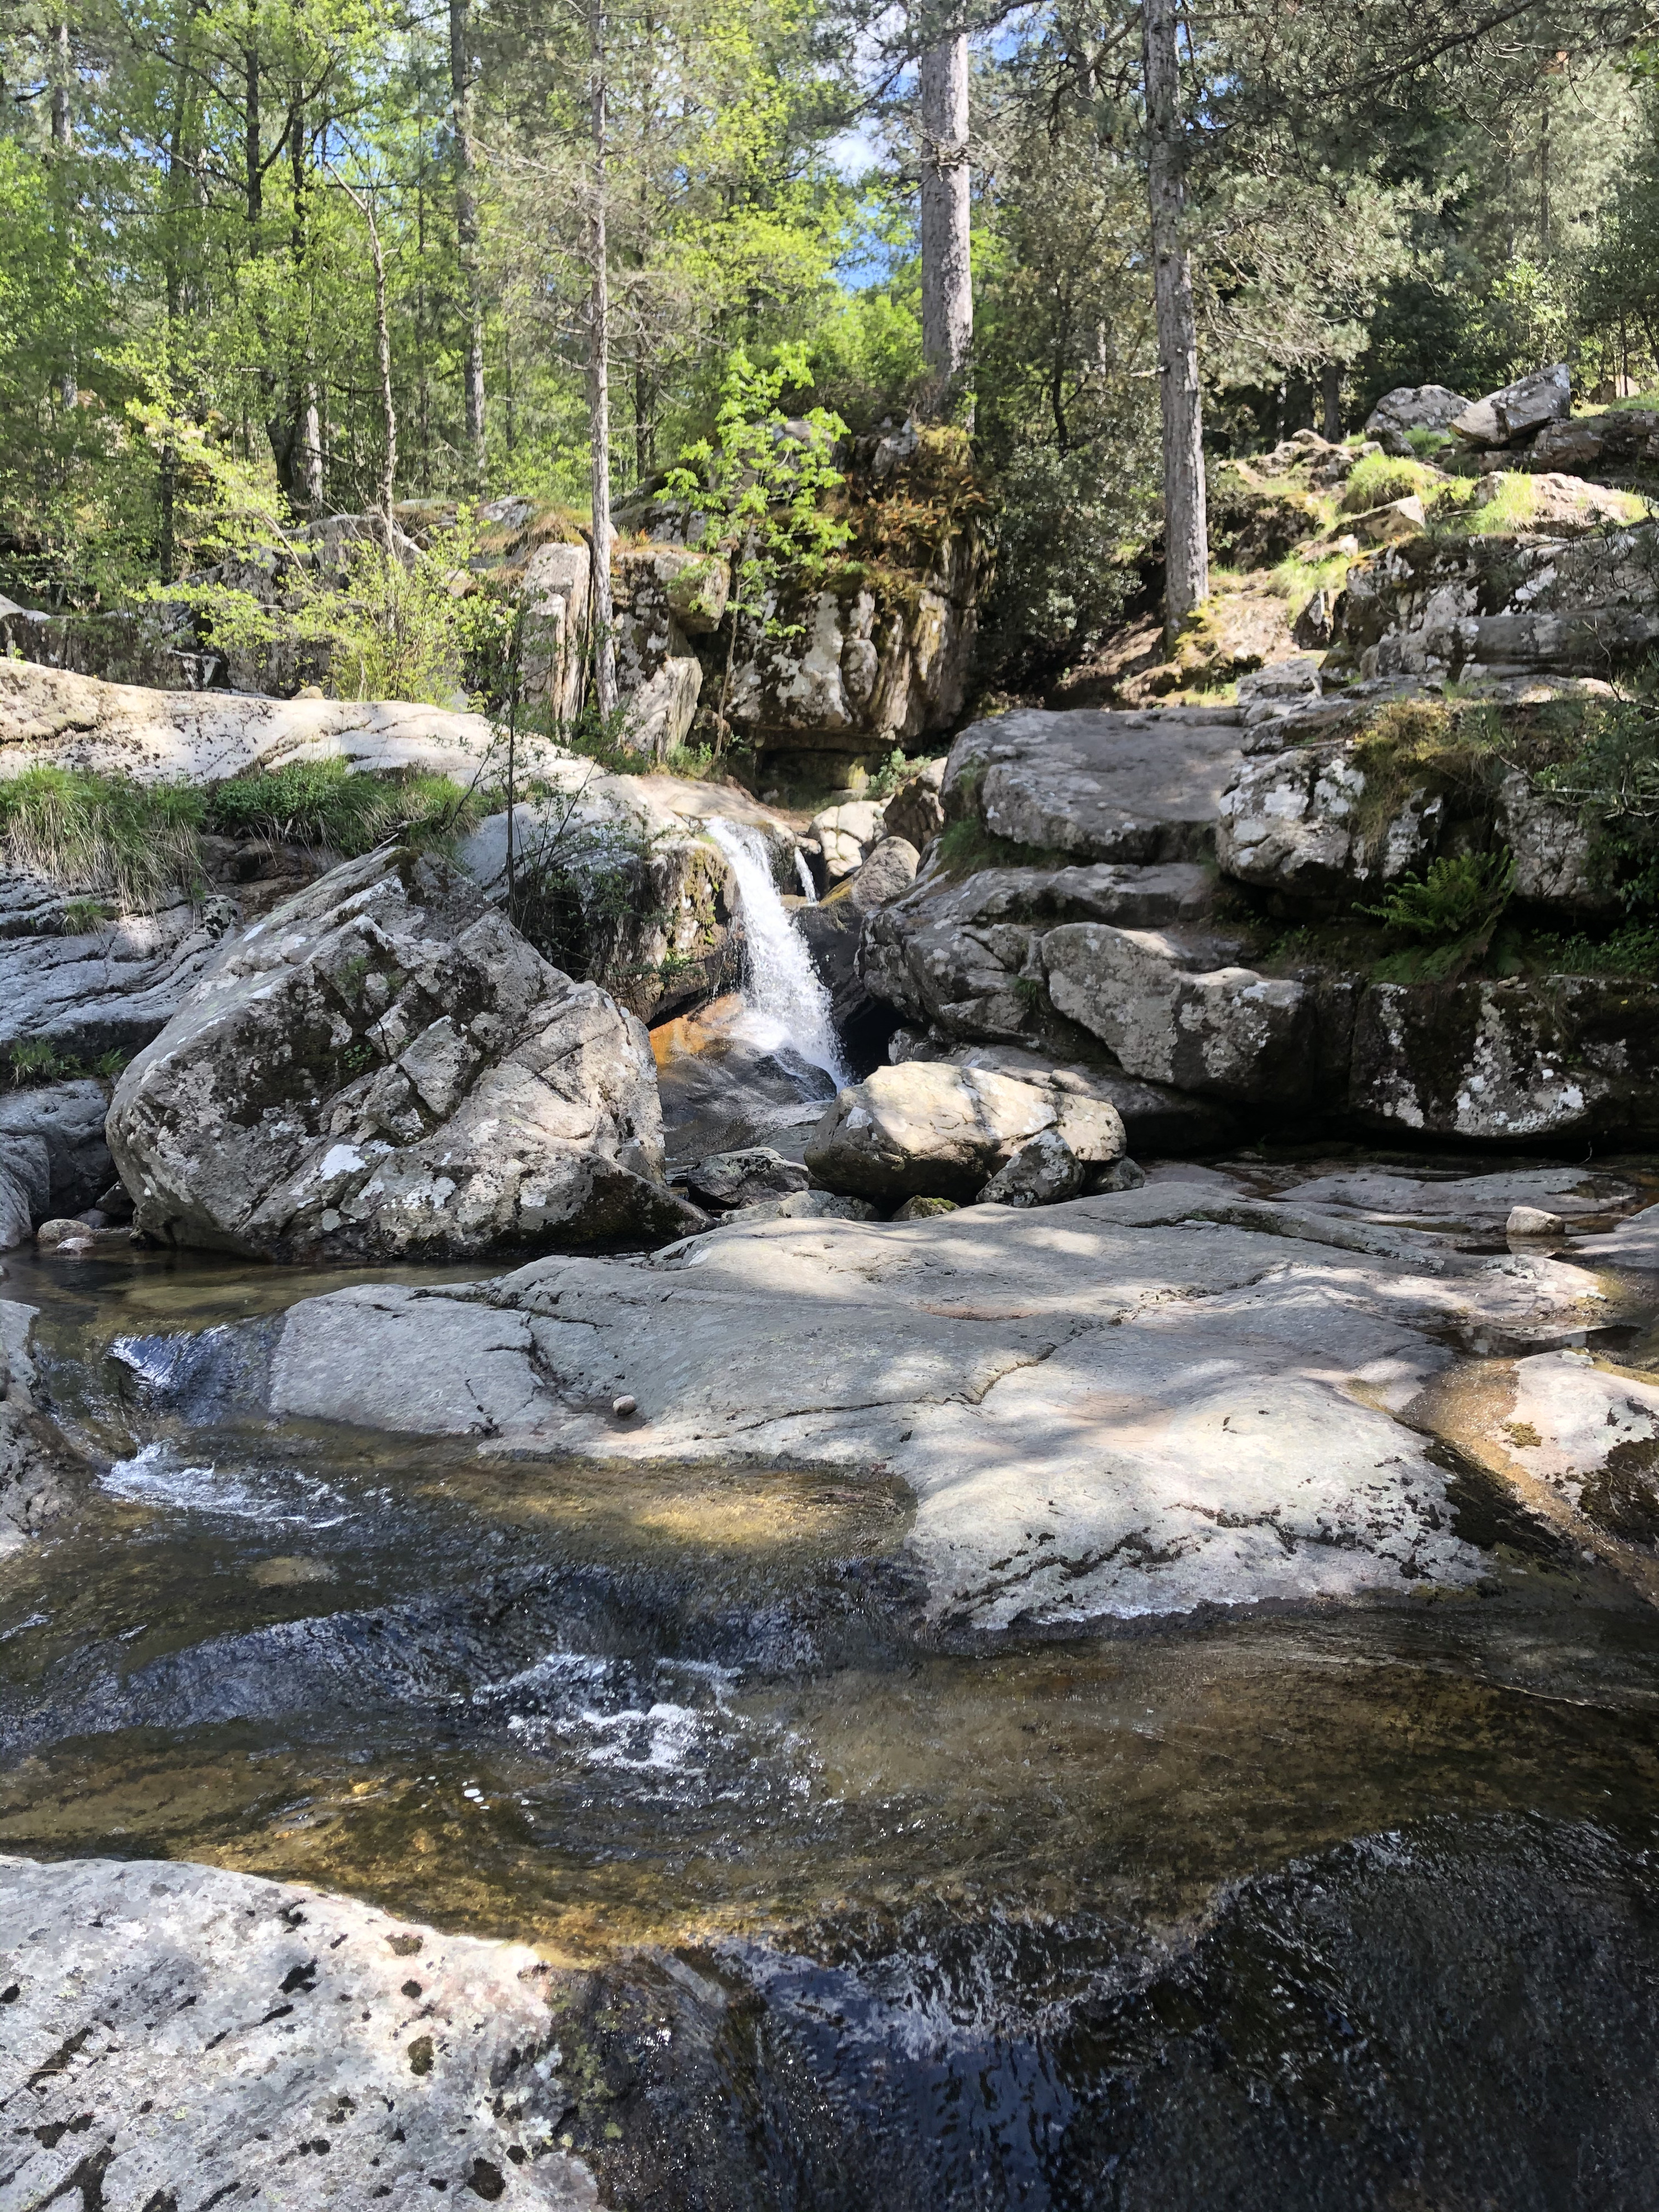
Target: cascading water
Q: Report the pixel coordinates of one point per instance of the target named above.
(780, 984)
(808, 891)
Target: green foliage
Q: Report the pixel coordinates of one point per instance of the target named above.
(891, 772)
(583, 890)
(31, 1061)
(1612, 774)
(136, 841)
(1632, 949)
(323, 803)
(761, 486)
(1461, 897)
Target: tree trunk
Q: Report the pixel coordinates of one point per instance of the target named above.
(1330, 395)
(947, 291)
(62, 122)
(466, 239)
(62, 137)
(308, 447)
(1186, 563)
(383, 341)
(598, 372)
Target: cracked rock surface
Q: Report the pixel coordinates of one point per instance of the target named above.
(178, 2036)
(1143, 1402)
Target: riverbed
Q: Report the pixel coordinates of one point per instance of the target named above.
(1313, 1906)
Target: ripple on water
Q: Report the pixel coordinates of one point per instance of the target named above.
(155, 1476)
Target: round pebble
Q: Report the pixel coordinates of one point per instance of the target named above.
(624, 1406)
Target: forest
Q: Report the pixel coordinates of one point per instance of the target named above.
(265, 261)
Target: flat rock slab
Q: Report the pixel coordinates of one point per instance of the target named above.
(177, 2035)
(1140, 1403)
(1136, 788)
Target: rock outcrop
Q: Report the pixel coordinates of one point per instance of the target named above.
(179, 2034)
(384, 1067)
(1517, 409)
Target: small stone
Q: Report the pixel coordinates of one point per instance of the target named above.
(924, 1209)
(59, 1231)
(1121, 1175)
(622, 1406)
(1533, 1221)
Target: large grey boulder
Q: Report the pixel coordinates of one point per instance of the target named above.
(1157, 1118)
(927, 1129)
(1518, 408)
(916, 811)
(182, 2035)
(1227, 1033)
(384, 1067)
(1414, 407)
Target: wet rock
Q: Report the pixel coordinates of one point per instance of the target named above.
(1044, 1171)
(888, 872)
(1571, 1056)
(34, 1466)
(727, 1181)
(726, 1081)
(936, 1131)
(384, 1065)
(1528, 405)
(19, 1181)
(1229, 1033)
(182, 2034)
(1414, 407)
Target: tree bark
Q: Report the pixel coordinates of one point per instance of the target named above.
(947, 291)
(63, 138)
(598, 368)
(364, 202)
(466, 240)
(1186, 562)
(307, 462)
(1330, 395)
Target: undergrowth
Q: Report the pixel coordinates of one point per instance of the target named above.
(1381, 478)
(32, 1061)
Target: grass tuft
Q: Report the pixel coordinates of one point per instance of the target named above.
(324, 804)
(134, 843)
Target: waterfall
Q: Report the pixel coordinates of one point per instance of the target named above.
(780, 984)
(806, 874)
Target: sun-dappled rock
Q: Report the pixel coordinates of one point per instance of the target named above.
(727, 1181)
(384, 1065)
(1414, 407)
(34, 1465)
(179, 2034)
(1044, 1171)
(930, 1129)
(1526, 406)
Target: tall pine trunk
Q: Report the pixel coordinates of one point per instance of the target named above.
(466, 240)
(1185, 533)
(62, 139)
(599, 366)
(947, 291)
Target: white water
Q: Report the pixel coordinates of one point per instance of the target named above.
(789, 1005)
(804, 874)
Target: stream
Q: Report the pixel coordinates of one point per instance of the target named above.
(1323, 1908)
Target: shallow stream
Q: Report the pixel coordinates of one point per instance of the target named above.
(1342, 1908)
